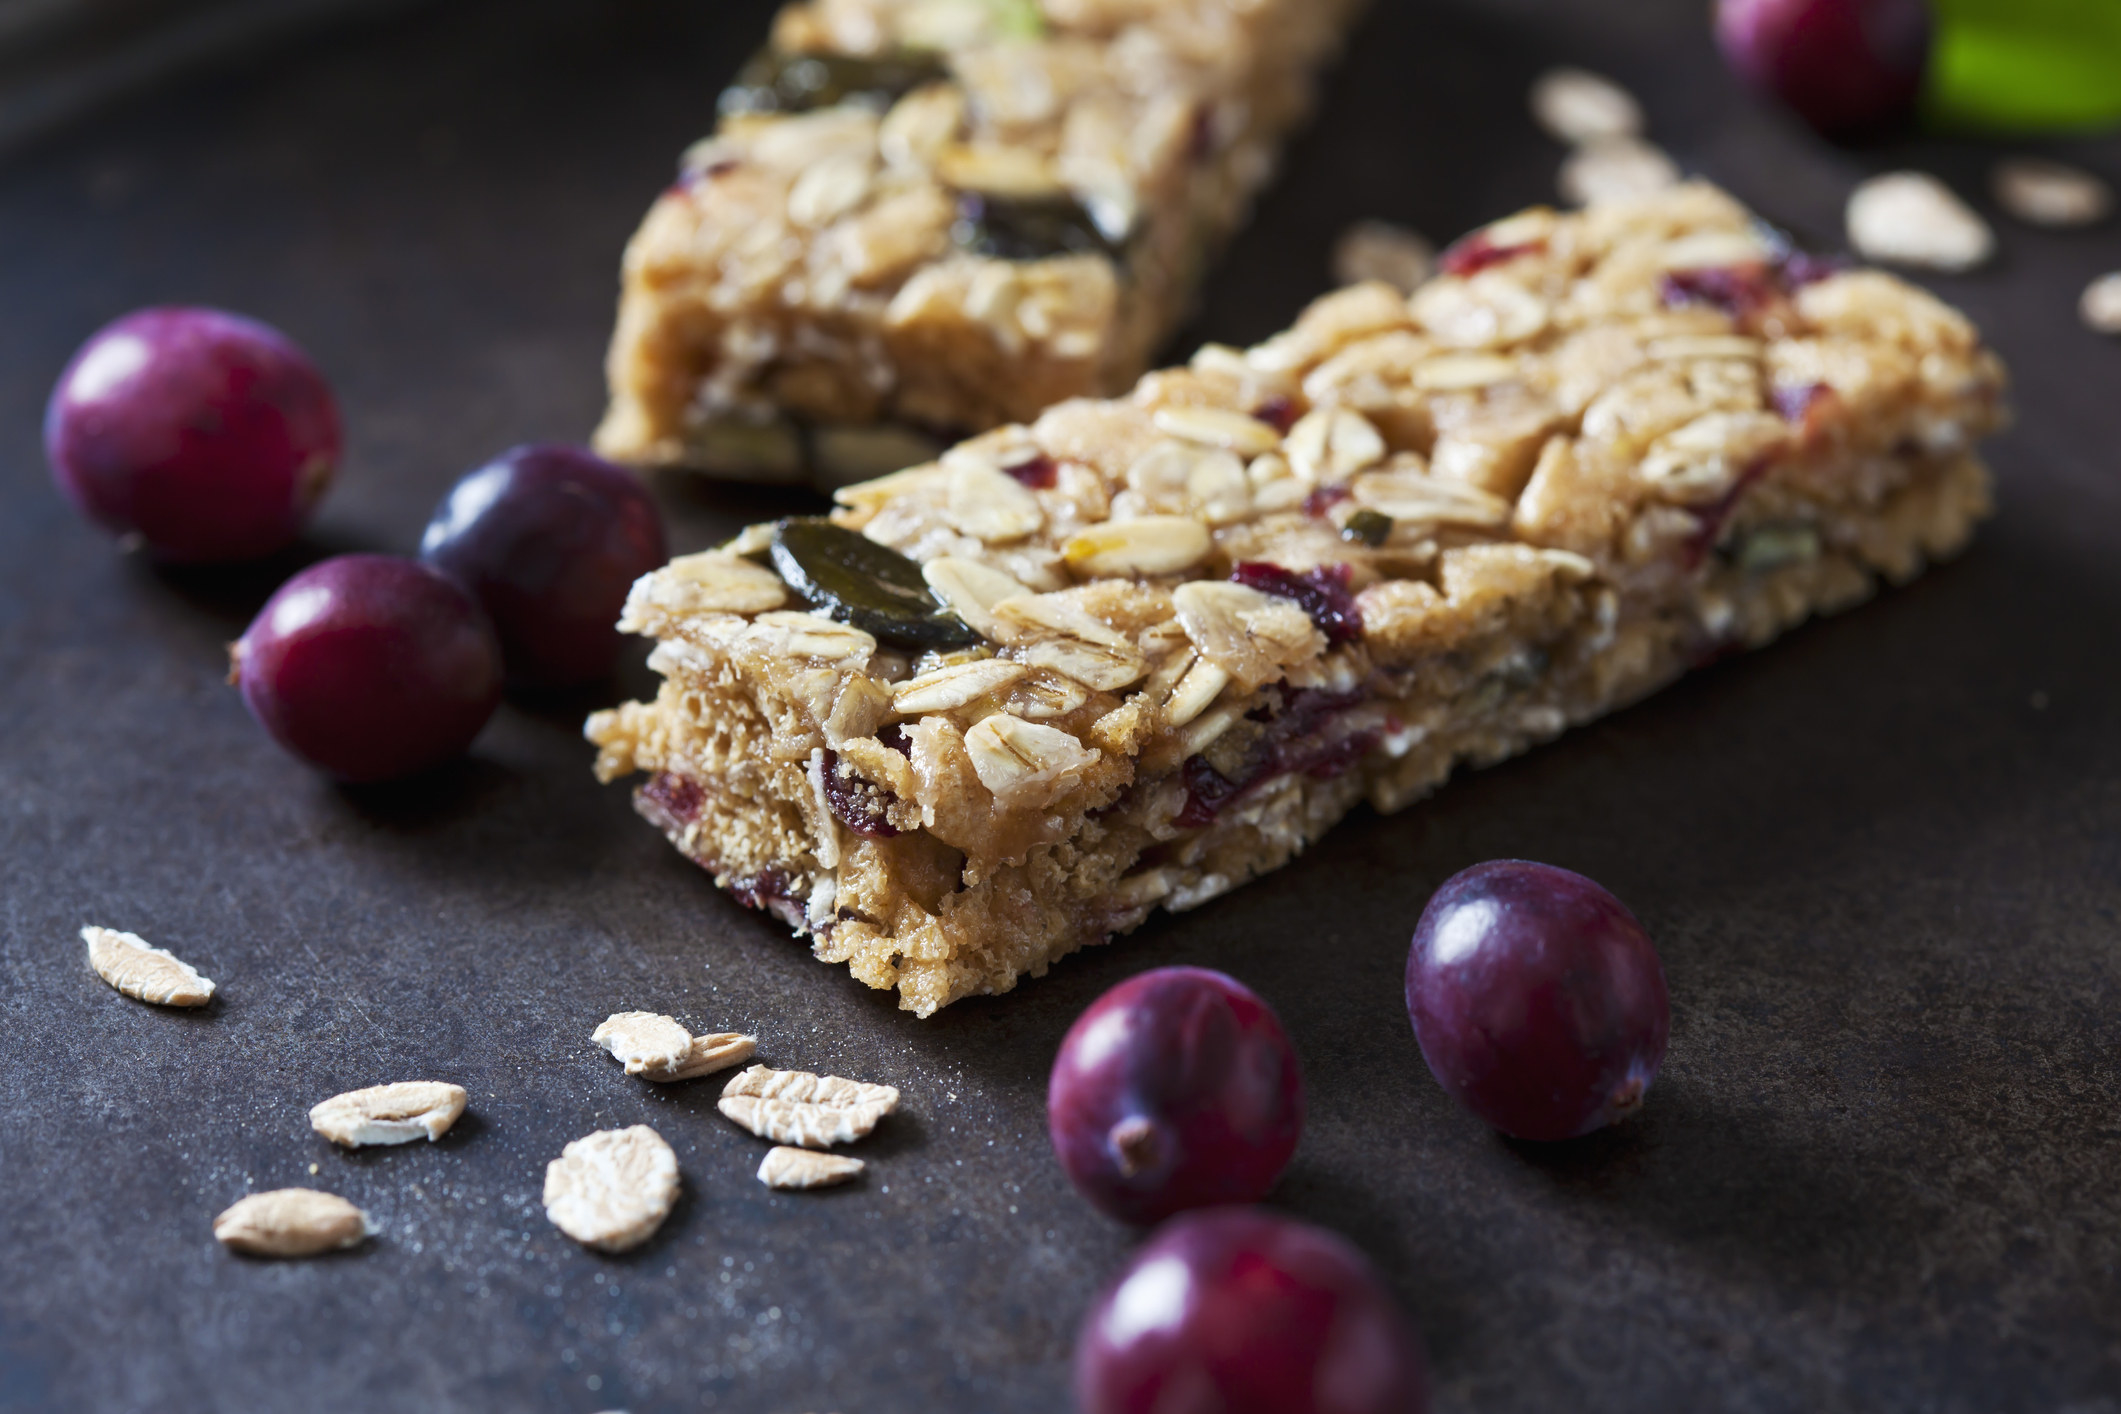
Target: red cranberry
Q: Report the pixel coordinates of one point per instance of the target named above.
(1176, 1089)
(1237, 1311)
(1538, 999)
(1845, 66)
(1322, 592)
(1472, 254)
(370, 667)
(1039, 472)
(859, 805)
(549, 540)
(208, 435)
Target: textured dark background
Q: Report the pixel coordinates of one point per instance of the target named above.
(1881, 859)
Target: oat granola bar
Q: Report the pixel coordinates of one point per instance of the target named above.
(1174, 637)
(928, 217)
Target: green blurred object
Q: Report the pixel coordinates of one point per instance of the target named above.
(2026, 65)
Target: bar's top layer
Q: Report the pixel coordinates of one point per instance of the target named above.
(1615, 393)
(906, 163)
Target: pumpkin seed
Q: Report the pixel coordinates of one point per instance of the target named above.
(772, 82)
(859, 582)
(1370, 527)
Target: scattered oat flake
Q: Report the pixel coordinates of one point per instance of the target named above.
(813, 1111)
(1379, 250)
(1576, 106)
(2042, 192)
(1911, 218)
(787, 1167)
(2100, 306)
(151, 974)
(612, 1189)
(389, 1114)
(291, 1222)
(1615, 169)
(655, 1047)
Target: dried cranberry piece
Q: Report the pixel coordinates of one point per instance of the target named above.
(1323, 593)
(1278, 412)
(1801, 268)
(1324, 499)
(1476, 253)
(1039, 473)
(857, 802)
(1207, 792)
(1738, 290)
(894, 736)
(674, 796)
(1795, 403)
(1713, 516)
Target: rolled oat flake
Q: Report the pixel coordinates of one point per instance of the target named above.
(2041, 192)
(1911, 218)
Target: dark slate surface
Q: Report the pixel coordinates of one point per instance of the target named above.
(1882, 859)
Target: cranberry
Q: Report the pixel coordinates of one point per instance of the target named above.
(1472, 254)
(1318, 502)
(549, 540)
(1279, 412)
(859, 805)
(370, 667)
(1238, 1311)
(1305, 729)
(1039, 472)
(1176, 1089)
(208, 435)
(1322, 592)
(1845, 66)
(1538, 999)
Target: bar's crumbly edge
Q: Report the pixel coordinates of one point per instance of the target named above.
(823, 289)
(1604, 449)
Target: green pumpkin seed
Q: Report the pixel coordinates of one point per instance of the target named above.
(1027, 228)
(773, 82)
(1370, 527)
(857, 581)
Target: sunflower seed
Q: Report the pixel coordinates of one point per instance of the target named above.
(612, 1189)
(813, 1111)
(1577, 106)
(1201, 685)
(1911, 218)
(291, 1222)
(787, 1167)
(389, 1114)
(144, 972)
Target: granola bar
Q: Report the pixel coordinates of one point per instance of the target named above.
(935, 216)
(1175, 636)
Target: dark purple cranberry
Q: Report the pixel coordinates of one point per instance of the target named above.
(859, 804)
(1278, 412)
(894, 736)
(1304, 730)
(549, 539)
(1322, 500)
(671, 801)
(1472, 254)
(1176, 1089)
(1795, 402)
(1238, 1311)
(1741, 291)
(1846, 66)
(1538, 999)
(208, 435)
(1322, 592)
(1038, 471)
(370, 667)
